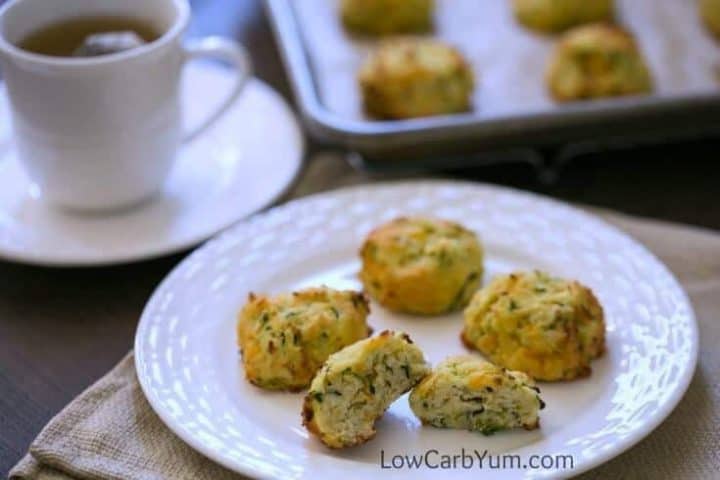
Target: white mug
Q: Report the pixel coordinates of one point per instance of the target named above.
(101, 132)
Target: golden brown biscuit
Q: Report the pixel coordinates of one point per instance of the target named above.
(383, 17)
(710, 13)
(469, 393)
(412, 77)
(546, 327)
(597, 61)
(421, 265)
(285, 339)
(557, 15)
(357, 384)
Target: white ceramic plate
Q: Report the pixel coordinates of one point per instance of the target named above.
(189, 367)
(242, 164)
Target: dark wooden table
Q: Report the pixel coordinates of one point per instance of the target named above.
(60, 329)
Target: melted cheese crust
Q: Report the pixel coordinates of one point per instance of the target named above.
(421, 265)
(596, 61)
(286, 338)
(412, 77)
(710, 13)
(357, 384)
(557, 15)
(466, 392)
(383, 17)
(546, 327)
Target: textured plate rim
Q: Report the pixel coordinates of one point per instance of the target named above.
(619, 447)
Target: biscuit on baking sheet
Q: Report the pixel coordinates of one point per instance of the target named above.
(357, 384)
(421, 265)
(384, 17)
(547, 327)
(710, 13)
(469, 393)
(284, 339)
(558, 15)
(414, 77)
(596, 61)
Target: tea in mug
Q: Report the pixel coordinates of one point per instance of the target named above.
(89, 36)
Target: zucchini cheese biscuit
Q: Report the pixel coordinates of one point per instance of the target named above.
(468, 393)
(421, 265)
(383, 17)
(285, 339)
(547, 327)
(710, 13)
(596, 61)
(558, 15)
(357, 384)
(412, 77)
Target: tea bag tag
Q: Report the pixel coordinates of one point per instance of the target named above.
(107, 43)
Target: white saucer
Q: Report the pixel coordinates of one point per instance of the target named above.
(245, 162)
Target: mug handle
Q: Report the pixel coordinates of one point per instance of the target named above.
(227, 51)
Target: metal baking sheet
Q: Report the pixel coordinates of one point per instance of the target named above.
(511, 105)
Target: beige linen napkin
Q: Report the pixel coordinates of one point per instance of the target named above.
(110, 431)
